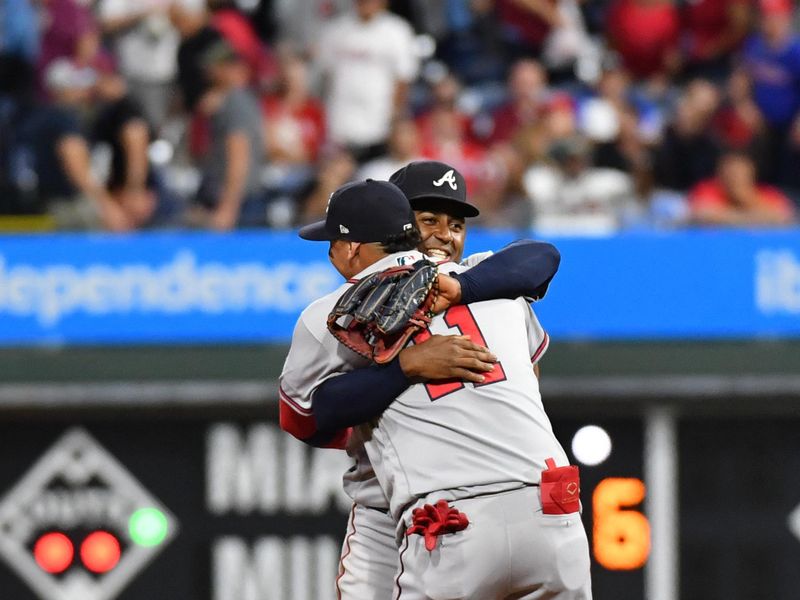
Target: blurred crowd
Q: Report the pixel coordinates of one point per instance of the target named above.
(569, 116)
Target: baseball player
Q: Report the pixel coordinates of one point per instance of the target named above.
(289, 377)
(437, 193)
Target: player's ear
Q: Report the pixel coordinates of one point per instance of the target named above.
(354, 250)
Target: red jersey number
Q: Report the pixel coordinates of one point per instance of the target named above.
(461, 318)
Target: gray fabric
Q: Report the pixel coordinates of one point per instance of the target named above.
(239, 113)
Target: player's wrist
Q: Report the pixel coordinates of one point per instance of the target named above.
(409, 364)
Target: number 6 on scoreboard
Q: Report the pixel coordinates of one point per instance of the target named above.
(621, 537)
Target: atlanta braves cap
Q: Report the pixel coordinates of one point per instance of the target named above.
(363, 211)
(430, 184)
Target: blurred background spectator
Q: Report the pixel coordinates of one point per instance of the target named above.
(309, 95)
(734, 196)
(230, 192)
(368, 61)
(572, 195)
(145, 43)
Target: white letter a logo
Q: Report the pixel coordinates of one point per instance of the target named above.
(449, 178)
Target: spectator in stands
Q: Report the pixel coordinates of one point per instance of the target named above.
(526, 24)
(501, 197)
(368, 61)
(145, 44)
(448, 144)
(527, 88)
(713, 30)
(739, 123)
(69, 31)
(771, 58)
(566, 43)
(573, 196)
(301, 23)
(468, 39)
(688, 153)
(121, 124)
(191, 20)
(19, 37)
(404, 147)
(646, 35)
(445, 92)
(295, 135)
(336, 169)
(230, 193)
(296, 118)
(734, 196)
(66, 186)
(240, 34)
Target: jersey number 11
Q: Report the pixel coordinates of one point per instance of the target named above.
(461, 318)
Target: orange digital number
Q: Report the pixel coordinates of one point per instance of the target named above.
(621, 537)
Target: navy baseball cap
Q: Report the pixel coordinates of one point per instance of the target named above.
(430, 184)
(363, 211)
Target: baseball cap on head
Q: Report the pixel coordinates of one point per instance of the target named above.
(429, 183)
(363, 211)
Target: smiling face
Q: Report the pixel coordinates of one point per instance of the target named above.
(443, 235)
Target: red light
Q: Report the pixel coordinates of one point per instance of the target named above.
(53, 552)
(100, 552)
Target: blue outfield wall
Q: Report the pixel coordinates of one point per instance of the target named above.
(245, 287)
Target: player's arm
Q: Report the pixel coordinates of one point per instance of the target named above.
(308, 363)
(318, 402)
(522, 269)
(361, 395)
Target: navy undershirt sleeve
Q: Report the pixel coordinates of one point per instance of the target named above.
(358, 396)
(524, 268)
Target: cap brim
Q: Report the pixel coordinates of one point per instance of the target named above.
(445, 204)
(315, 232)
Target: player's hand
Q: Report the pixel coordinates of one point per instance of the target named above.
(447, 357)
(449, 293)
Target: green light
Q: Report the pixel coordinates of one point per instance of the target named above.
(148, 527)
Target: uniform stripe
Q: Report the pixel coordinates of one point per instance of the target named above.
(294, 405)
(346, 553)
(541, 349)
(300, 426)
(295, 419)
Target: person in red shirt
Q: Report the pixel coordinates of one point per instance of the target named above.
(734, 197)
(527, 88)
(241, 35)
(445, 93)
(646, 35)
(527, 23)
(295, 119)
(712, 31)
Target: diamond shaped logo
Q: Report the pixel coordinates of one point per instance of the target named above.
(78, 526)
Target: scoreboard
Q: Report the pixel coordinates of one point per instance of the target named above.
(190, 506)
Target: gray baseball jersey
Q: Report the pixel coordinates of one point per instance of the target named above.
(439, 436)
(455, 435)
(359, 482)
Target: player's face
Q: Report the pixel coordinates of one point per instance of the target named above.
(443, 235)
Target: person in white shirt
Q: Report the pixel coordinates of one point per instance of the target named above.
(146, 44)
(367, 61)
(571, 196)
